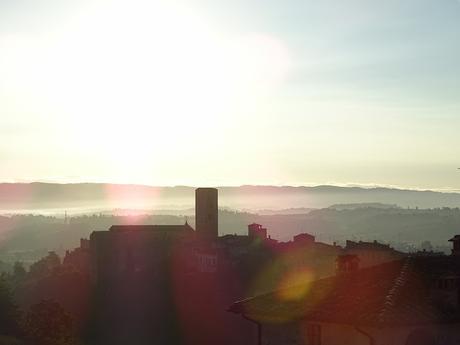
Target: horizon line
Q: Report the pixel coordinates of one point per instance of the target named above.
(278, 185)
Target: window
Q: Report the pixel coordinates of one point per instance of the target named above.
(314, 334)
(446, 283)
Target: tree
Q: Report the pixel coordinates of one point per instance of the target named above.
(47, 323)
(18, 270)
(426, 245)
(9, 313)
(45, 266)
(18, 275)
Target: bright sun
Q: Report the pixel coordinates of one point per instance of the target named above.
(145, 69)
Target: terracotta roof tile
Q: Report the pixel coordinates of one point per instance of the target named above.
(394, 293)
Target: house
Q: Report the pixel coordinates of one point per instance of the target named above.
(79, 258)
(125, 250)
(411, 301)
(305, 252)
(372, 253)
(304, 238)
(143, 277)
(257, 231)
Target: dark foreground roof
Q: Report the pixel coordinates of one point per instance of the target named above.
(181, 227)
(391, 294)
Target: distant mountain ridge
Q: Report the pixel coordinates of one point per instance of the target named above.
(363, 205)
(99, 196)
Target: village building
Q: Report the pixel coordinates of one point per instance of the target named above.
(372, 253)
(410, 301)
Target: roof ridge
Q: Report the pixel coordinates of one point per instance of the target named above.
(390, 298)
(150, 227)
(320, 280)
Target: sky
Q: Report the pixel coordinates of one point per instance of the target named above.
(201, 92)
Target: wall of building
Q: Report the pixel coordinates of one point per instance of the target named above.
(277, 334)
(433, 335)
(336, 334)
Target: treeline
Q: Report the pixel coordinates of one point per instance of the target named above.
(27, 238)
(45, 305)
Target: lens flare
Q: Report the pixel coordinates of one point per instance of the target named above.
(295, 285)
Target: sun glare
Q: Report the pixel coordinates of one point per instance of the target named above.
(138, 76)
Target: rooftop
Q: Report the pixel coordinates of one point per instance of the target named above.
(390, 294)
(367, 245)
(178, 227)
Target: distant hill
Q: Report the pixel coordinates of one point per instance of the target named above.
(98, 197)
(284, 211)
(363, 205)
(26, 237)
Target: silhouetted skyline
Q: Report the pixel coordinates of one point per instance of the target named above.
(199, 172)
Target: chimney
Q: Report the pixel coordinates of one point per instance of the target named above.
(347, 263)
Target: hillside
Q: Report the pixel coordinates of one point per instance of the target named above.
(96, 197)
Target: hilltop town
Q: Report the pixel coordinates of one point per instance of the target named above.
(144, 282)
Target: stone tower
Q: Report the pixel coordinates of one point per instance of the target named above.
(206, 208)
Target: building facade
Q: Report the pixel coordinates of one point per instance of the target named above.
(410, 301)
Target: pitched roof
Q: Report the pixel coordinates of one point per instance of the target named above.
(390, 294)
(375, 245)
(180, 227)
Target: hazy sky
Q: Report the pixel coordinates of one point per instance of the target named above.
(205, 92)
